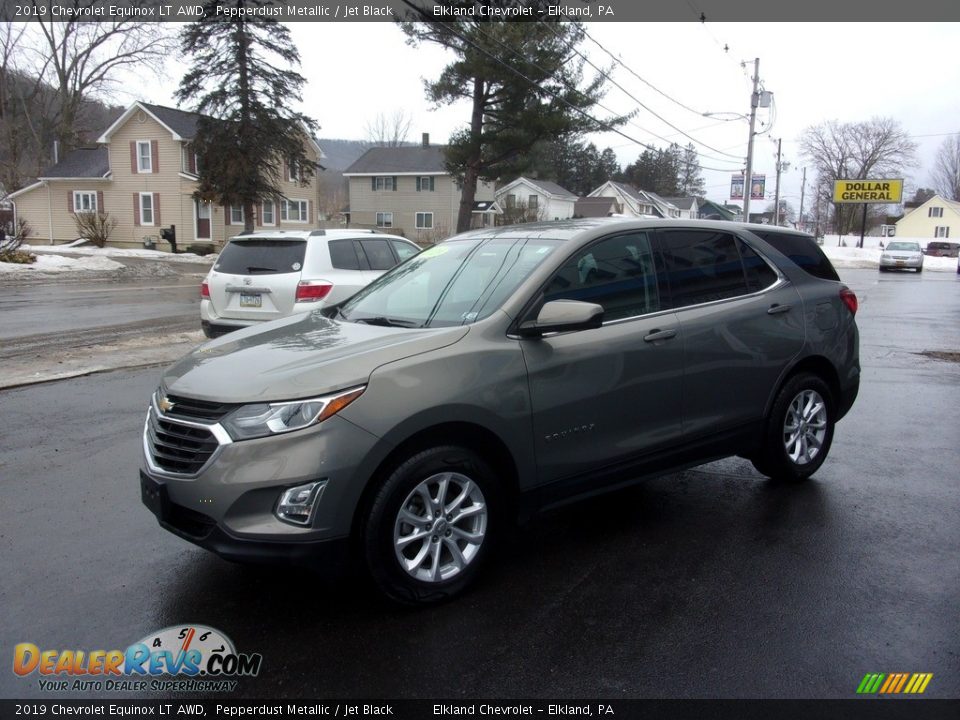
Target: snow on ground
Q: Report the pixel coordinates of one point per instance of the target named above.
(107, 252)
(61, 264)
(850, 256)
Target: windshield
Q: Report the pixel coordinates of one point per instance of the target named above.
(455, 283)
(904, 246)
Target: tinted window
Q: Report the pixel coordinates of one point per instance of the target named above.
(378, 254)
(343, 255)
(703, 266)
(261, 257)
(803, 250)
(404, 250)
(759, 274)
(617, 273)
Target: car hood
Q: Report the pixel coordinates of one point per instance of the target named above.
(296, 357)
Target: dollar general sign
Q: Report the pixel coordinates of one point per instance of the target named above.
(867, 191)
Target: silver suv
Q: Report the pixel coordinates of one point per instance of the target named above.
(268, 275)
(498, 372)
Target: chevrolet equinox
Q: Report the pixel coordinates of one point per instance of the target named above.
(499, 372)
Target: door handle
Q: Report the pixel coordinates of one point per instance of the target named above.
(776, 309)
(659, 335)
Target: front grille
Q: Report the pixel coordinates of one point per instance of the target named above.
(196, 410)
(178, 448)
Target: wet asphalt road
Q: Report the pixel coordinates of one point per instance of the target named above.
(708, 583)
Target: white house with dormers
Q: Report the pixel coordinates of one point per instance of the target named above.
(637, 203)
(542, 199)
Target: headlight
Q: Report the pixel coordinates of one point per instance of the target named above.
(884, 256)
(263, 419)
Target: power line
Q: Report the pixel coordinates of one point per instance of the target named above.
(539, 89)
(737, 158)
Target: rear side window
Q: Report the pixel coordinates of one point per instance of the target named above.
(759, 274)
(803, 250)
(378, 254)
(343, 255)
(703, 266)
(404, 250)
(261, 256)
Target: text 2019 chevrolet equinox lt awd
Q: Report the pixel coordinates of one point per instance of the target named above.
(503, 370)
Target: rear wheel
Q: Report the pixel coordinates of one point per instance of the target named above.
(431, 525)
(799, 430)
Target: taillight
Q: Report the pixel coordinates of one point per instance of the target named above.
(849, 299)
(204, 290)
(313, 290)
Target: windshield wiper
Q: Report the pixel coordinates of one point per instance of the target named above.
(254, 268)
(386, 322)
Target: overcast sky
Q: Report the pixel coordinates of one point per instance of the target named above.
(817, 72)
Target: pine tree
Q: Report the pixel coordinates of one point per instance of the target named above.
(691, 176)
(524, 82)
(242, 82)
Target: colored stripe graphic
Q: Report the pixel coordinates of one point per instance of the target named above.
(894, 683)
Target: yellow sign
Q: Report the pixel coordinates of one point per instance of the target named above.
(867, 191)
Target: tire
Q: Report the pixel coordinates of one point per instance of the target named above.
(447, 552)
(919, 269)
(882, 269)
(805, 401)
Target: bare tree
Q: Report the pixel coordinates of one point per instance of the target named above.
(845, 151)
(946, 169)
(75, 61)
(389, 131)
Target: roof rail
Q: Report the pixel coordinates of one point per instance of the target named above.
(317, 232)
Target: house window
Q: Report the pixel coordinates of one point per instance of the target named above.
(384, 219)
(941, 231)
(385, 183)
(266, 215)
(84, 202)
(293, 211)
(146, 208)
(425, 184)
(511, 201)
(293, 172)
(532, 202)
(144, 157)
(424, 220)
(236, 215)
(935, 212)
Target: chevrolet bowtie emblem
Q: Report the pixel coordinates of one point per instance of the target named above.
(165, 404)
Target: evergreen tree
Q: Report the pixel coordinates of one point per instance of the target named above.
(241, 81)
(524, 83)
(691, 176)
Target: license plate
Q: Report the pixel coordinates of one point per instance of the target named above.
(251, 300)
(901, 262)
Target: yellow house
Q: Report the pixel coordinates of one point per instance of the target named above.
(936, 218)
(143, 173)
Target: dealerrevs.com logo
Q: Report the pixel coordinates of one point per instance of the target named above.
(177, 658)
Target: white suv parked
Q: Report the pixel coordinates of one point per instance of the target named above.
(268, 275)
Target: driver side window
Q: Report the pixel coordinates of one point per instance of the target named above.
(617, 273)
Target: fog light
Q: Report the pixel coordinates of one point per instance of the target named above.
(297, 503)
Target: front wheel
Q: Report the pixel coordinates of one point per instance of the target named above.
(799, 430)
(431, 525)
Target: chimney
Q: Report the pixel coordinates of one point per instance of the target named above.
(426, 139)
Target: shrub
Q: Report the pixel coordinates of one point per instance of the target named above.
(201, 249)
(95, 227)
(21, 232)
(17, 257)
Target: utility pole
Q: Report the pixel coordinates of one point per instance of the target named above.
(776, 192)
(748, 175)
(803, 187)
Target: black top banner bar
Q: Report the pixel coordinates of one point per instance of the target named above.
(707, 11)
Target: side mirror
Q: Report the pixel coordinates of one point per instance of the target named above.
(563, 316)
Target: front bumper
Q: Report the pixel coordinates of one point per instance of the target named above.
(911, 263)
(330, 555)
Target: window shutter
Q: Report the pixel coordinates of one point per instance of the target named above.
(227, 211)
(136, 209)
(431, 183)
(156, 209)
(373, 183)
(70, 201)
(257, 210)
(418, 184)
(100, 209)
(133, 157)
(154, 156)
(286, 171)
(394, 183)
(309, 212)
(191, 161)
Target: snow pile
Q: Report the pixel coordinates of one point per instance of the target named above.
(60, 264)
(869, 257)
(107, 252)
